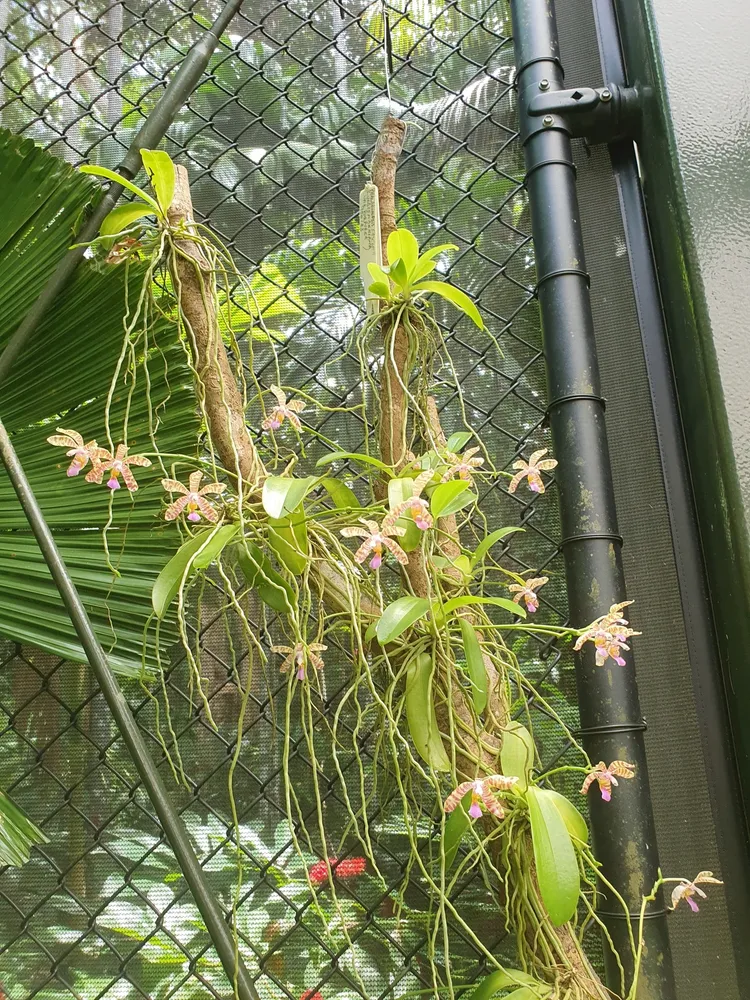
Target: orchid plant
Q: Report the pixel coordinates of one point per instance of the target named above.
(426, 639)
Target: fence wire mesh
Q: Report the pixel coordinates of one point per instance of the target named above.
(277, 140)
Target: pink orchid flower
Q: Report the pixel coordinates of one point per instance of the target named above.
(192, 498)
(686, 890)
(608, 634)
(483, 793)
(607, 776)
(117, 465)
(527, 591)
(531, 471)
(462, 466)
(375, 540)
(80, 453)
(416, 504)
(298, 656)
(283, 411)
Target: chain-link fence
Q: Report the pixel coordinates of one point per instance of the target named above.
(277, 140)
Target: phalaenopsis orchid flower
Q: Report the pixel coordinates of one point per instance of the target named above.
(376, 538)
(81, 453)
(527, 591)
(462, 466)
(346, 868)
(117, 465)
(416, 504)
(299, 656)
(686, 890)
(192, 498)
(607, 776)
(483, 793)
(531, 471)
(608, 634)
(283, 411)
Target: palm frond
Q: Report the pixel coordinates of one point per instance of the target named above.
(62, 379)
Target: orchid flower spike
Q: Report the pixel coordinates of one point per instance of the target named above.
(192, 498)
(607, 776)
(686, 890)
(117, 465)
(462, 466)
(416, 504)
(80, 453)
(283, 411)
(527, 591)
(299, 656)
(609, 634)
(531, 471)
(375, 540)
(483, 793)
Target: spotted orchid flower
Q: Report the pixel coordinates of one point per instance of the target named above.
(283, 411)
(607, 776)
(531, 471)
(527, 592)
(192, 498)
(483, 793)
(117, 465)
(376, 538)
(81, 453)
(609, 634)
(686, 890)
(462, 466)
(416, 504)
(299, 656)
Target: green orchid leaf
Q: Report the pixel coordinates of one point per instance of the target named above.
(160, 170)
(445, 496)
(378, 274)
(354, 456)
(454, 295)
(398, 616)
(423, 267)
(402, 245)
(381, 289)
(123, 217)
(517, 754)
(420, 713)
(475, 666)
(110, 175)
(260, 575)
(287, 536)
(398, 273)
(197, 553)
(436, 251)
(555, 857)
(574, 821)
(486, 544)
(344, 498)
(401, 489)
(283, 494)
(505, 979)
(442, 611)
(457, 441)
(456, 826)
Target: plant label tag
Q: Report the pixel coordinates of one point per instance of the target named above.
(369, 241)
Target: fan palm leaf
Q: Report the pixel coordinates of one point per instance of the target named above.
(63, 379)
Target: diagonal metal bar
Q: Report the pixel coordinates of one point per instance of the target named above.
(150, 134)
(173, 826)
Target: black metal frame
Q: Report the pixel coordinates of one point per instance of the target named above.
(612, 725)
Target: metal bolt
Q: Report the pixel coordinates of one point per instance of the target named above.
(544, 84)
(606, 95)
(548, 120)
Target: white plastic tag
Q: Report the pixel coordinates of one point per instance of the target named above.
(369, 241)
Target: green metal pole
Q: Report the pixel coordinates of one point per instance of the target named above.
(172, 825)
(150, 134)
(611, 721)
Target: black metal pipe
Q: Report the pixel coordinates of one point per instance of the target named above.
(611, 722)
(172, 825)
(150, 134)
